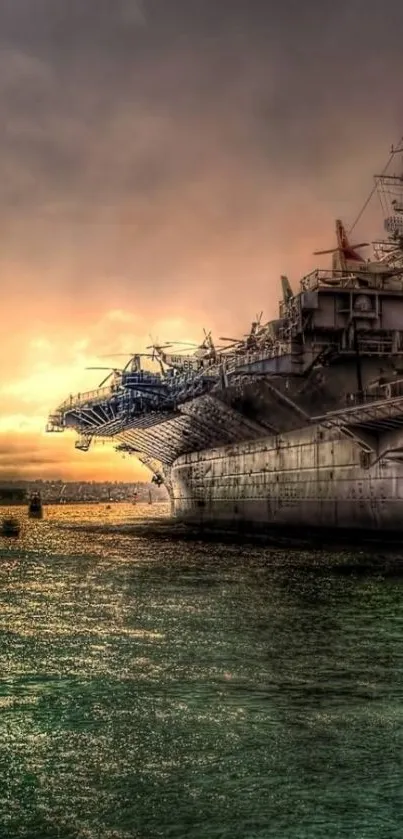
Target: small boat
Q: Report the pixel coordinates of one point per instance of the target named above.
(35, 509)
(10, 527)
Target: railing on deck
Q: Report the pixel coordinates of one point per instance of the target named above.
(381, 393)
(279, 348)
(89, 396)
(321, 277)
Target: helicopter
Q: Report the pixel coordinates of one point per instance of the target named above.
(204, 352)
(347, 260)
(133, 366)
(249, 340)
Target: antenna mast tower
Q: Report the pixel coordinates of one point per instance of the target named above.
(390, 193)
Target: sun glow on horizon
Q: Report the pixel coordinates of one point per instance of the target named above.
(51, 369)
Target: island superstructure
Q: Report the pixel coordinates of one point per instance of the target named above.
(297, 425)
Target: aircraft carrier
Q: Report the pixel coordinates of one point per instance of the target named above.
(297, 425)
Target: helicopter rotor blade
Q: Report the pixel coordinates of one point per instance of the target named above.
(136, 355)
(128, 363)
(180, 343)
(112, 372)
(125, 355)
(106, 379)
(112, 369)
(185, 350)
(158, 346)
(343, 250)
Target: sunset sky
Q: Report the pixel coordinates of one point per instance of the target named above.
(161, 164)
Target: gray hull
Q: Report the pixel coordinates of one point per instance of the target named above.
(308, 479)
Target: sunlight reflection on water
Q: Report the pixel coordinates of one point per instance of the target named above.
(156, 688)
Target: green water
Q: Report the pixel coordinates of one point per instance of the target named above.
(152, 688)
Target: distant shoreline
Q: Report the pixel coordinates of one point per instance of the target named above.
(62, 503)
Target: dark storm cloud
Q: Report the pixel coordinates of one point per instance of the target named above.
(148, 147)
(257, 77)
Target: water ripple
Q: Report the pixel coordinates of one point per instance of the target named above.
(158, 688)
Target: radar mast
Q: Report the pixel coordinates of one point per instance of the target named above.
(389, 188)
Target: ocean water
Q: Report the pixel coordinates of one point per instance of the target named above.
(152, 687)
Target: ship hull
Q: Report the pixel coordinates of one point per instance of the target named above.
(308, 480)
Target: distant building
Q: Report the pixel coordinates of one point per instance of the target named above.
(73, 492)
